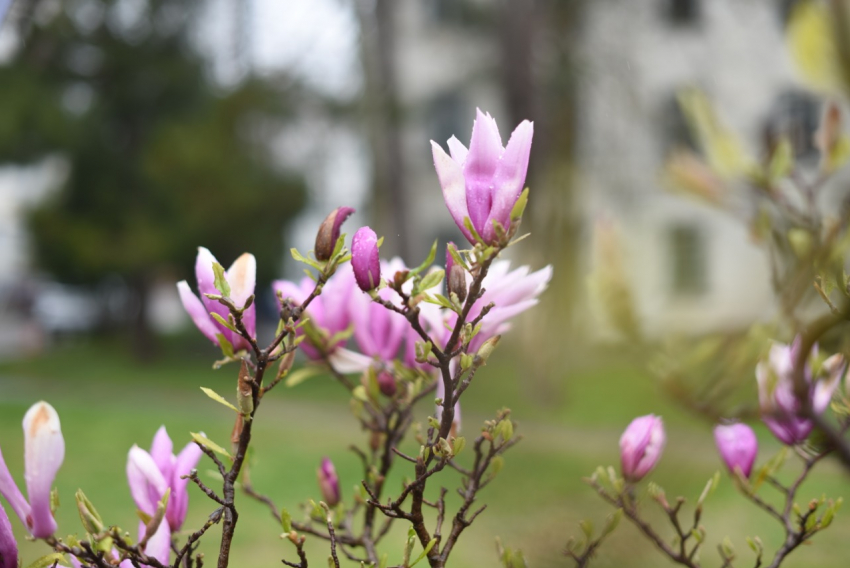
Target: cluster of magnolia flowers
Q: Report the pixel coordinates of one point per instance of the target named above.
(157, 481)
(345, 327)
(785, 415)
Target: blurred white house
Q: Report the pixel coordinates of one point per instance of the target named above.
(692, 268)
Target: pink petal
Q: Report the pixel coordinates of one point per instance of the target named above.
(162, 452)
(44, 451)
(347, 361)
(242, 277)
(147, 485)
(196, 310)
(509, 178)
(485, 149)
(453, 184)
(9, 490)
(458, 151)
(159, 545)
(8, 545)
(178, 503)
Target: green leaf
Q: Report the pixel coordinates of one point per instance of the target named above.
(425, 552)
(467, 222)
(519, 207)
(428, 261)
(308, 261)
(204, 441)
(218, 398)
(50, 560)
(224, 322)
(220, 281)
(285, 521)
(432, 279)
(782, 160)
(226, 346)
(301, 375)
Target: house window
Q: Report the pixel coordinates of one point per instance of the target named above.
(675, 132)
(794, 115)
(688, 259)
(682, 12)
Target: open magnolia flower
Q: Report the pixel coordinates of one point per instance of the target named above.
(44, 451)
(241, 277)
(484, 182)
(782, 411)
(329, 312)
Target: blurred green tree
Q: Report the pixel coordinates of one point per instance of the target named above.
(161, 159)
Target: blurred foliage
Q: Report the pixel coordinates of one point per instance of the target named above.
(161, 160)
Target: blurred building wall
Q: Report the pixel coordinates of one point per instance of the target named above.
(692, 268)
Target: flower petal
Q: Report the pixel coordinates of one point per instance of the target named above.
(159, 545)
(347, 361)
(8, 546)
(9, 490)
(178, 503)
(196, 310)
(453, 184)
(479, 170)
(147, 485)
(162, 452)
(44, 451)
(458, 151)
(509, 178)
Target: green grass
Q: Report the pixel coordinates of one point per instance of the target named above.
(107, 403)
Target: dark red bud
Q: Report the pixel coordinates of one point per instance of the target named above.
(328, 233)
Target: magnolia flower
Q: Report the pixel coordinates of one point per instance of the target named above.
(8, 546)
(511, 291)
(365, 260)
(738, 446)
(241, 277)
(329, 312)
(781, 410)
(151, 474)
(484, 182)
(44, 451)
(377, 330)
(328, 482)
(641, 446)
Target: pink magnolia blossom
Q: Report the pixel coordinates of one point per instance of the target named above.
(329, 312)
(738, 446)
(242, 277)
(782, 411)
(44, 451)
(150, 474)
(8, 545)
(511, 291)
(641, 446)
(365, 259)
(484, 182)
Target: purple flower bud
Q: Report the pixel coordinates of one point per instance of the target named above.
(328, 482)
(641, 446)
(8, 546)
(455, 275)
(738, 447)
(365, 260)
(328, 233)
(387, 383)
(484, 182)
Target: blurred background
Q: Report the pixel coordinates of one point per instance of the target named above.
(134, 131)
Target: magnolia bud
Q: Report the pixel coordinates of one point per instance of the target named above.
(365, 259)
(88, 514)
(328, 482)
(641, 446)
(486, 350)
(244, 392)
(456, 282)
(328, 233)
(387, 383)
(738, 447)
